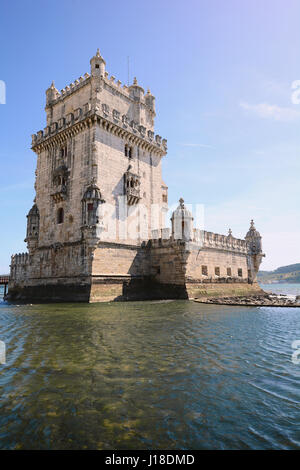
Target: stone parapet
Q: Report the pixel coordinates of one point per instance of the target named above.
(107, 121)
(203, 238)
(228, 242)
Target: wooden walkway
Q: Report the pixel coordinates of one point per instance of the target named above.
(4, 280)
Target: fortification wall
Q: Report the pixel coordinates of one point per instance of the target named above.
(216, 264)
(111, 260)
(231, 288)
(167, 260)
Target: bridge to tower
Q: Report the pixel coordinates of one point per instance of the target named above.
(4, 280)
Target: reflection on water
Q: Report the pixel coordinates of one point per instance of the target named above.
(153, 375)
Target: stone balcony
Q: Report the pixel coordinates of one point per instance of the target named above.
(60, 193)
(133, 196)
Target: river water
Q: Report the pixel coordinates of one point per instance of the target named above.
(149, 375)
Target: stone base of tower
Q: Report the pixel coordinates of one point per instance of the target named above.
(221, 290)
(41, 291)
(124, 288)
(98, 289)
(163, 268)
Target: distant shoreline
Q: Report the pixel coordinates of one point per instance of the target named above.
(278, 283)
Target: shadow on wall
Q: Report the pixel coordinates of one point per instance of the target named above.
(149, 289)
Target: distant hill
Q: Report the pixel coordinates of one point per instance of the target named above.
(289, 274)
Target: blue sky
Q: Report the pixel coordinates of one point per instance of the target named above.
(221, 73)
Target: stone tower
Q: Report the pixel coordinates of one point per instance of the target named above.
(97, 228)
(98, 134)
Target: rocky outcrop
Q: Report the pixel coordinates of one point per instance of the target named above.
(265, 300)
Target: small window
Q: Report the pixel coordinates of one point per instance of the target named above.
(240, 272)
(229, 272)
(90, 206)
(128, 152)
(165, 198)
(60, 215)
(217, 271)
(63, 152)
(96, 66)
(204, 270)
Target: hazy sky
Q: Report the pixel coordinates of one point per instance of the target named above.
(221, 72)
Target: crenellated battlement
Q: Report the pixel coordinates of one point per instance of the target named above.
(110, 81)
(108, 115)
(19, 259)
(97, 93)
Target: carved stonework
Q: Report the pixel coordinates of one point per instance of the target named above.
(132, 187)
(60, 183)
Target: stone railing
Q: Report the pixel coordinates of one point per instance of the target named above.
(215, 240)
(205, 239)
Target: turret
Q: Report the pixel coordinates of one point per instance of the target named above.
(255, 253)
(91, 201)
(182, 223)
(254, 240)
(136, 91)
(150, 100)
(51, 94)
(97, 65)
(33, 225)
(92, 223)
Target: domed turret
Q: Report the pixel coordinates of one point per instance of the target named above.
(182, 223)
(90, 205)
(33, 227)
(150, 100)
(254, 239)
(136, 90)
(92, 193)
(51, 94)
(97, 65)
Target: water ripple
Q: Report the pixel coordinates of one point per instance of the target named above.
(176, 375)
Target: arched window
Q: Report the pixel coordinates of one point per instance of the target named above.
(60, 215)
(128, 151)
